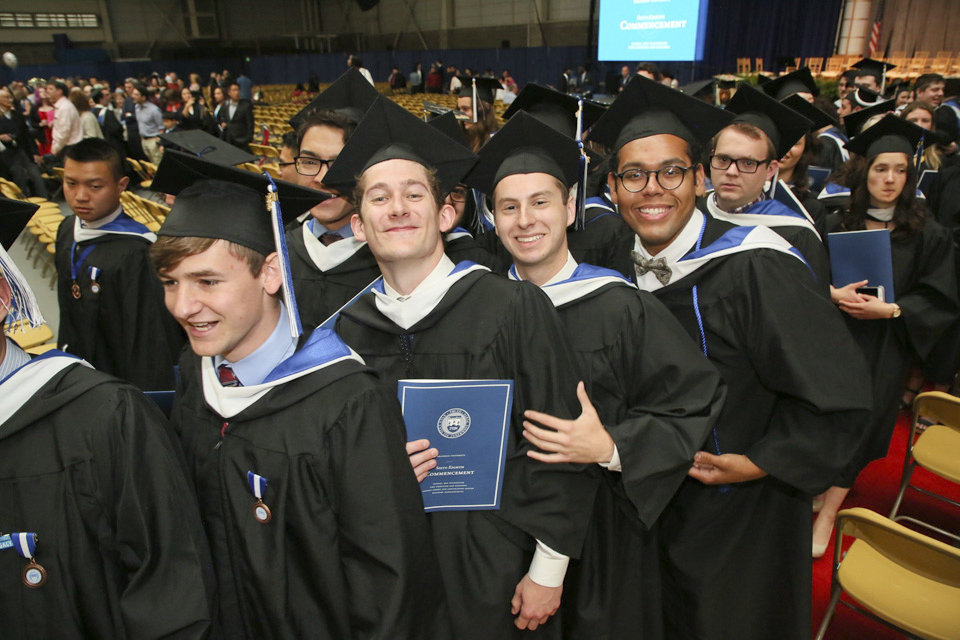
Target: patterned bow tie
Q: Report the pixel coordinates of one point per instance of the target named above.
(657, 265)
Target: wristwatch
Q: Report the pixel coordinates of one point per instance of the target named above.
(896, 311)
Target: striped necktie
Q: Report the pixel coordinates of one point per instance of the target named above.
(227, 377)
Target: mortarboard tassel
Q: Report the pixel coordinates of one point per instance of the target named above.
(579, 222)
(23, 303)
(273, 207)
(474, 100)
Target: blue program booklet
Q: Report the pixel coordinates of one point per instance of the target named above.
(468, 422)
(862, 255)
(926, 181)
(816, 177)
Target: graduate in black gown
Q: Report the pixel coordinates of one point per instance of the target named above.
(100, 536)
(111, 304)
(735, 541)
(650, 398)
(330, 265)
(903, 329)
(428, 318)
(313, 514)
(744, 156)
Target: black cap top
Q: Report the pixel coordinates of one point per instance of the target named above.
(214, 201)
(814, 114)
(351, 95)
(388, 132)
(525, 145)
(726, 81)
(554, 108)
(799, 81)
(698, 87)
(14, 216)
(892, 134)
(647, 108)
(863, 97)
(172, 115)
(875, 68)
(450, 126)
(486, 88)
(854, 121)
(210, 148)
(780, 123)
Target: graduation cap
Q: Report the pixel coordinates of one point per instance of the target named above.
(14, 216)
(780, 123)
(525, 145)
(876, 68)
(799, 81)
(699, 87)
(854, 121)
(210, 148)
(814, 114)
(726, 81)
(350, 95)
(892, 134)
(863, 97)
(388, 132)
(647, 108)
(450, 126)
(554, 108)
(486, 88)
(249, 209)
(172, 115)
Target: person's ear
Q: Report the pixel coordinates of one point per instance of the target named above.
(612, 183)
(270, 274)
(571, 207)
(6, 295)
(356, 223)
(448, 216)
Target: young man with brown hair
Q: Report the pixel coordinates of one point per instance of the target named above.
(313, 515)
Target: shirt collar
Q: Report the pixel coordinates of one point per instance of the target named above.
(13, 360)
(441, 271)
(681, 245)
(565, 273)
(742, 208)
(346, 231)
(96, 224)
(254, 368)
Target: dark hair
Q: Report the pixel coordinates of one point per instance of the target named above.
(910, 214)
(96, 150)
(326, 118)
(650, 68)
(927, 79)
(486, 124)
(290, 141)
(229, 83)
(61, 86)
(799, 183)
(169, 251)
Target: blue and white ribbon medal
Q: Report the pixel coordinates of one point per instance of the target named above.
(25, 544)
(94, 285)
(257, 484)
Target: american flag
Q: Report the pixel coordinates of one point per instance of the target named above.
(875, 34)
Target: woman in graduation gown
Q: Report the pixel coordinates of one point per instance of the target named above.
(894, 334)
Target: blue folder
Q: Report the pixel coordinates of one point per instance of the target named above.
(926, 181)
(816, 177)
(862, 255)
(468, 422)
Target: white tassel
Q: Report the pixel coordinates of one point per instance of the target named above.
(23, 304)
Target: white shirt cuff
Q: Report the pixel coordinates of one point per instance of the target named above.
(548, 567)
(614, 464)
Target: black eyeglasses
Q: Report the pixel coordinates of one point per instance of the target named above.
(458, 194)
(286, 164)
(310, 166)
(669, 177)
(744, 165)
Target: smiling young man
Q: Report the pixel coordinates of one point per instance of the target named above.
(745, 158)
(735, 541)
(101, 537)
(431, 319)
(652, 397)
(329, 264)
(111, 305)
(313, 514)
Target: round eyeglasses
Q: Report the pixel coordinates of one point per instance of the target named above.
(669, 177)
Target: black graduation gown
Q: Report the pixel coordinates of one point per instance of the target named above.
(658, 398)
(125, 329)
(925, 285)
(488, 327)
(90, 466)
(596, 242)
(321, 293)
(348, 552)
(944, 204)
(830, 156)
(736, 560)
(465, 247)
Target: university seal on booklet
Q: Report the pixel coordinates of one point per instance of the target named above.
(453, 423)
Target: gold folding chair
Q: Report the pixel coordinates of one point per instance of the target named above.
(901, 578)
(937, 449)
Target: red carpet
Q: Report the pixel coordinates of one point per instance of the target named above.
(876, 489)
